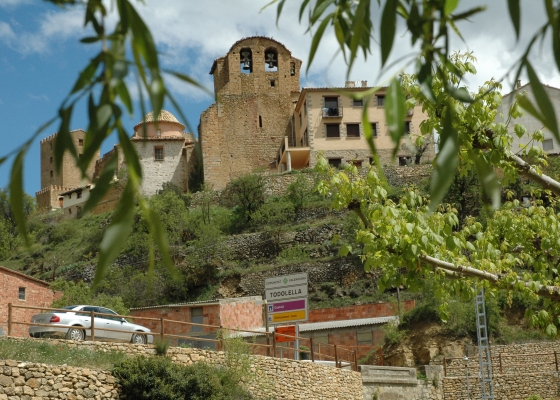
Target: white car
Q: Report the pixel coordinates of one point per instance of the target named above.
(79, 322)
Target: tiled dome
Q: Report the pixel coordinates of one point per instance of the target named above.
(164, 116)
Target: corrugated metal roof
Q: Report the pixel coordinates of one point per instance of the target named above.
(178, 304)
(318, 326)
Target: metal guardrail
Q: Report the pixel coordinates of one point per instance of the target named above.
(342, 357)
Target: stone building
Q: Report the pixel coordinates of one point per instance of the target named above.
(23, 290)
(329, 121)
(550, 145)
(69, 177)
(256, 85)
(166, 154)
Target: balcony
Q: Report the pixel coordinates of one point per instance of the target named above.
(292, 157)
(332, 112)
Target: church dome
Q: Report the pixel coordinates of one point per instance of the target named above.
(164, 116)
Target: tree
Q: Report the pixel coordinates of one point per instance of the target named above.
(246, 193)
(128, 50)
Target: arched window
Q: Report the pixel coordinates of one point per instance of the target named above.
(292, 68)
(271, 60)
(246, 61)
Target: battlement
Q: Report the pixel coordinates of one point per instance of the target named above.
(53, 136)
(52, 188)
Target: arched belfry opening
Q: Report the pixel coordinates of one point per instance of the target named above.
(246, 61)
(271, 60)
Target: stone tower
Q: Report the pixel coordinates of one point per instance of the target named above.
(256, 85)
(69, 177)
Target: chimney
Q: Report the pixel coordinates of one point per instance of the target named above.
(364, 83)
(350, 84)
(518, 84)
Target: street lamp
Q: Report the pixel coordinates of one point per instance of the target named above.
(466, 362)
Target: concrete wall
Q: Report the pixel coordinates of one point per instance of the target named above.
(37, 294)
(274, 378)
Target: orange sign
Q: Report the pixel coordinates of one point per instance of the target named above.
(285, 330)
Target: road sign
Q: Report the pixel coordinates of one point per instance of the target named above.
(286, 293)
(285, 281)
(289, 316)
(290, 305)
(285, 330)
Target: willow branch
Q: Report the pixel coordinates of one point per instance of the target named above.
(529, 172)
(550, 292)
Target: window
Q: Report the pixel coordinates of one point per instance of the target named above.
(331, 102)
(321, 338)
(196, 318)
(292, 69)
(70, 211)
(333, 130)
(335, 162)
(305, 139)
(272, 83)
(260, 121)
(300, 120)
(80, 142)
(271, 60)
(246, 61)
(547, 145)
(158, 153)
(158, 132)
(51, 160)
(21, 293)
(374, 129)
(364, 338)
(52, 174)
(357, 163)
(358, 103)
(185, 152)
(353, 130)
(407, 127)
(113, 315)
(404, 161)
(80, 156)
(380, 101)
(79, 195)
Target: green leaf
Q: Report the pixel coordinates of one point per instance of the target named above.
(460, 94)
(158, 234)
(551, 330)
(515, 16)
(395, 111)
(450, 6)
(489, 180)
(103, 183)
(388, 29)
(446, 161)
(16, 195)
(317, 39)
(545, 105)
(87, 74)
(122, 91)
(304, 4)
(345, 249)
(320, 8)
(116, 233)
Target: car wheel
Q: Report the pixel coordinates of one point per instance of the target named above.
(138, 339)
(75, 334)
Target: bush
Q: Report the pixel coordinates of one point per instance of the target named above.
(159, 379)
(393, 335)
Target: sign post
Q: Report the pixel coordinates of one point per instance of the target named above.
(286, 302)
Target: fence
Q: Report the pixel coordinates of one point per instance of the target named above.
(503, 364)
(261, 343)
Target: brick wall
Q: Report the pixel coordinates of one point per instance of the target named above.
(356, 312)
(37, 294)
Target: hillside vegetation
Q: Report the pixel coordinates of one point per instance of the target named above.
(217, 243)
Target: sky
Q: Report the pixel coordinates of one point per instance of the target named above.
(41, 56)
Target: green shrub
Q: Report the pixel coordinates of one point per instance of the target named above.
(158, 378)
(294, 253)
(534, 397)
(393, 335)
(161, 346)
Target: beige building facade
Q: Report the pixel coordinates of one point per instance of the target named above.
(256, 85)
(328, 121)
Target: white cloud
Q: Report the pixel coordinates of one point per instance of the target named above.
(13, 3)
(38, 97)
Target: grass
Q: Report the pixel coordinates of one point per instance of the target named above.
(57, 354)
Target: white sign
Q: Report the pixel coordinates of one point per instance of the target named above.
(286, 292)
(285, 281)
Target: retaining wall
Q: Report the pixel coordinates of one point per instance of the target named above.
(275, 378)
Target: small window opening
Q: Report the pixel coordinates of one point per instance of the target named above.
(260, 121)
(51, 160)
(158, 153)
(52, 174)
(358, 103)
(407, 127)
(292, 68)
(380, 101)
(272, 83)
(333, 130)
(80, 142)
(79, 195)
(352, 130)
(335, 162)
(21, 293)
(271, 60)
(184, 152)
(158, 132)
(246, 61)
(374, 132)
(70, 211)
(548, 145)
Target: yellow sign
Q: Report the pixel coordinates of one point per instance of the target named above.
(287, 316)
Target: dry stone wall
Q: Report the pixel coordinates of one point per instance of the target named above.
(274, 378)
(33, 381)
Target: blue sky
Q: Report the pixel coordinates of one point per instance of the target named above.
(40, 57)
